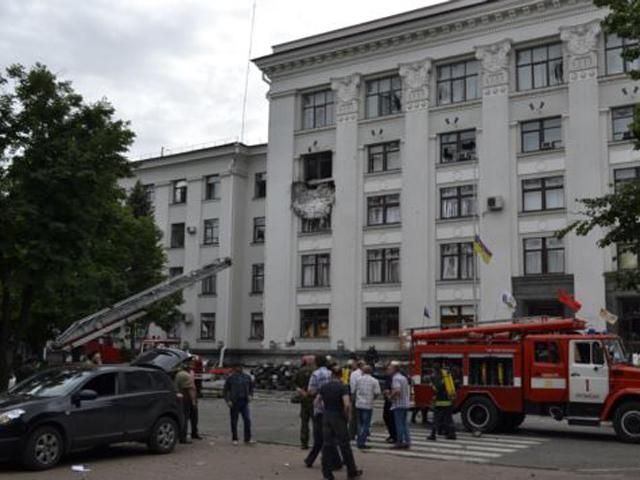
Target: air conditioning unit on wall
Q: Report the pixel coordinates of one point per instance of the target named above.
(495, 204)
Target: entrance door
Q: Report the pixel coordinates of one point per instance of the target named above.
(588, 372)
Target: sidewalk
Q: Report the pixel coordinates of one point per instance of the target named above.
(211, 459)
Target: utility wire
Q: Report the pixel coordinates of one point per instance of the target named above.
(246, 78)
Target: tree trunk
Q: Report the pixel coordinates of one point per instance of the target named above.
(6, 353)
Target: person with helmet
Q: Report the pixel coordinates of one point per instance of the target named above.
(444, 394)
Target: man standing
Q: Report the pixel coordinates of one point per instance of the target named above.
(353, 379)
(400, 402)
(442, 403)
(306, 400)
(387, 414)
(187, 389)
(337, 410)
(238, 390)
(366, 390)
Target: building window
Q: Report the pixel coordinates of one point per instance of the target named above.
(383, 210)
(257, 278)
(383, 157)
(542, 194)
(383, 321)
(452, 316)
(177, 235)
(621, 119)
(457, 202)
(383, 265)
(543, 255)
(149, 192)
(383, 96)
(316, 225)
(207, 326)
(211, 232)
(626, 175)
(212, 187)
(258, 229)
(256, 331)
(458, 146)
(209, 285)
(614, 47)
(539, 66)
(456, 261)
(458, 82)
(627, 256)
(314, 323)
(317, 166)
(318, 109)
(175, 271)
(541, 134)
(180, 191)
(260, 188)
(316, 270)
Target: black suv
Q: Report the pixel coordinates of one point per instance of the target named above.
(76, 407)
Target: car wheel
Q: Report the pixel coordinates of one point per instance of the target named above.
(479, 414)
(626, 422)
(164, 435)
(43, 448)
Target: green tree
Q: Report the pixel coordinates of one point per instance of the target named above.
(70, 240)
(618, 213)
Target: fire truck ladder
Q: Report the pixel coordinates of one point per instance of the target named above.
(111, 318)
(514, 327)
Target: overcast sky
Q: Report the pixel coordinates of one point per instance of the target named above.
(174, 68)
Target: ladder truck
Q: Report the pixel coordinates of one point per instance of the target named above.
(128, 310)
(506, 370)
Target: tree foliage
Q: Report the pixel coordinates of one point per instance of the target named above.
(70, 243)
(618, 213)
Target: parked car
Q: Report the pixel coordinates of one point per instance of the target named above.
(76, 407)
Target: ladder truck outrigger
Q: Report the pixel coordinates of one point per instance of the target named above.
(506, 370)
(109, 319)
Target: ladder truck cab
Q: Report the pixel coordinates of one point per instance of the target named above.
(504, 371)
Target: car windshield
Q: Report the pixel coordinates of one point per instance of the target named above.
(617, 353)
(51, 383)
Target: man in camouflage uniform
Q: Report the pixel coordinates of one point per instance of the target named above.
(301, 381)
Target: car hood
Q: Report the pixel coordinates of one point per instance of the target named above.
(9, 402)
(167, 359)
(627, 373)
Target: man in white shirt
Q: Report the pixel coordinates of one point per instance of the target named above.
(353, 379)
(365, 392)
(400, 401)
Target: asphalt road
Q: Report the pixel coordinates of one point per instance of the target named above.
(541, 443)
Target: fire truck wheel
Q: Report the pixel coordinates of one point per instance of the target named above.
(480, 414)
(511, 421)
(626, 422)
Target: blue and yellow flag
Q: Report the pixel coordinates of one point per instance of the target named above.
(481, 249)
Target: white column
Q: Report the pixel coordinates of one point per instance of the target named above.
(280, 246)
(496, 168)
(584, 164)
(418, 280)
(347, 226)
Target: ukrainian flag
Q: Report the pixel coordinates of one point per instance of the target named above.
(481, 249)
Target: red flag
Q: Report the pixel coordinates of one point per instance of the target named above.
(568, 300)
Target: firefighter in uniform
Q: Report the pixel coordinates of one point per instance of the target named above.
(444, 394)
(306, 399)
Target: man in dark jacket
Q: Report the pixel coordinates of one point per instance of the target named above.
(387, 414)
(335, 430)
(238, 390)
(306, 399)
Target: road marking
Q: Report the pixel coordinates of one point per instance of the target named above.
(467, 447)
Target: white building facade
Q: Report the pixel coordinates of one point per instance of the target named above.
(419, 132)
(210, 203)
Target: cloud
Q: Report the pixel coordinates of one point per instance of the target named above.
(174, 68)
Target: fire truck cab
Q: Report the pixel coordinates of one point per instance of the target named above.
(543, 366)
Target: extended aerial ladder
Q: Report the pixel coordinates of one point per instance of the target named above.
(100, 323)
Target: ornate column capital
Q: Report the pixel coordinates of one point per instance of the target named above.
(347, 97)
(581, 45)
(415, 84)
(494, 59)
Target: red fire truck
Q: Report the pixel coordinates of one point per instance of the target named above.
(542, 366)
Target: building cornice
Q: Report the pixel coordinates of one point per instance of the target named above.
(447, 26)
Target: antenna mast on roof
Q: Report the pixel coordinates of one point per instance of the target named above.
(246, 78)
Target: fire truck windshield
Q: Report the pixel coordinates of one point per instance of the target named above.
(617, 353)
